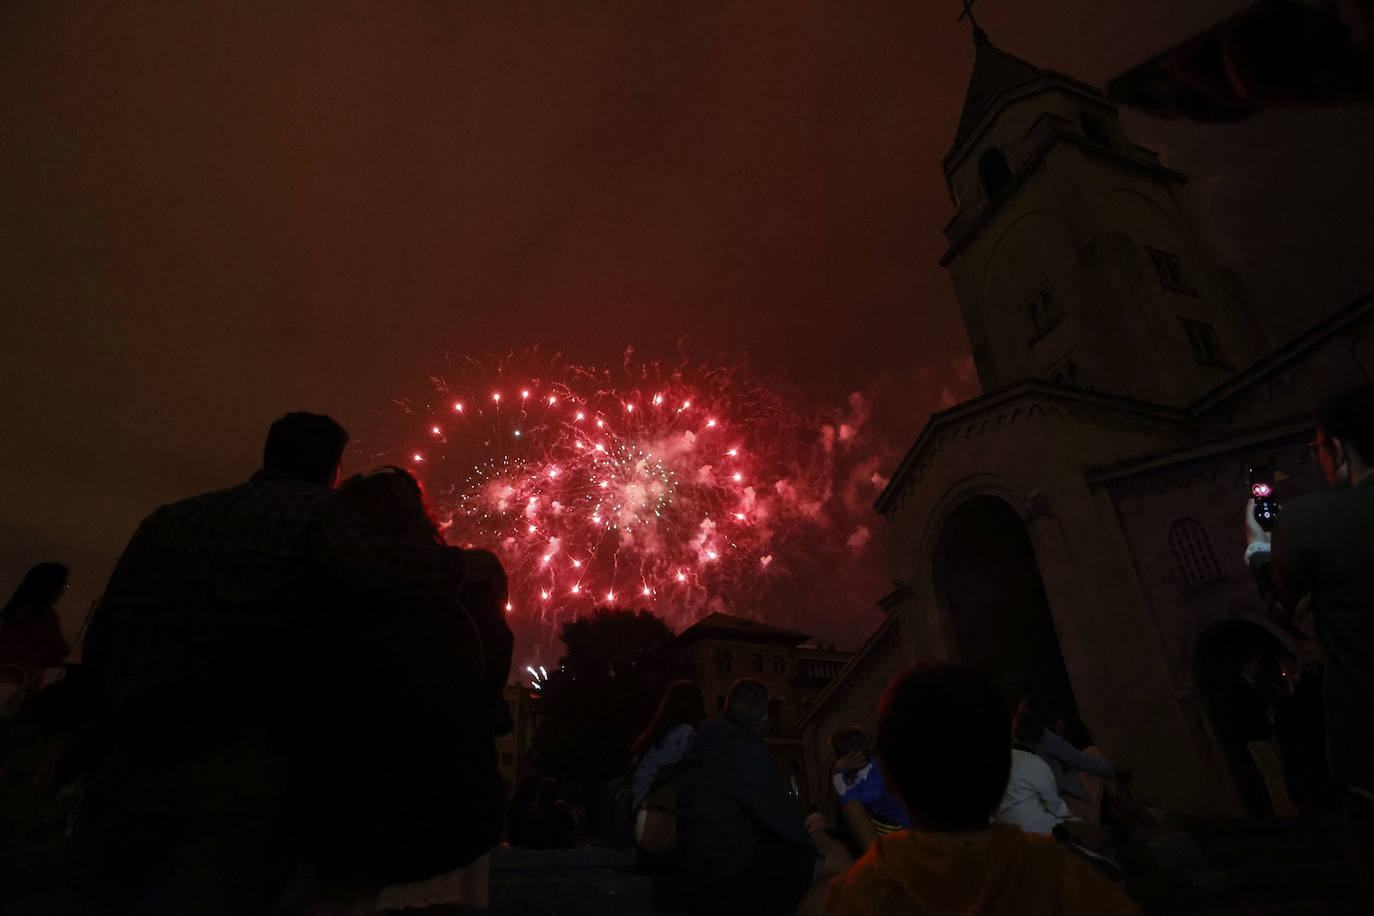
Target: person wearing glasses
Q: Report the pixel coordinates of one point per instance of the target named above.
(1321, 554)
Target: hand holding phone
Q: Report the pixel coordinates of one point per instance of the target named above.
(1262, 492)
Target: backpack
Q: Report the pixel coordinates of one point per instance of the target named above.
(656, 816)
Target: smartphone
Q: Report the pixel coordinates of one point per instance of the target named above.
(1262, 490)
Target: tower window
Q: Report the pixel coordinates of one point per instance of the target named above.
(1041, 313)
(1194, 556)
(1094, 128)
(756, 662)
(779, 665)
(993, 172)
(722, 659)
(1203, 339)
(1170, 271)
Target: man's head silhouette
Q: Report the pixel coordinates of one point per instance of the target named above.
(305, 446)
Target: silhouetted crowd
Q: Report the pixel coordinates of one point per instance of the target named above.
(288, 696)
(939, 813)
(291, 689)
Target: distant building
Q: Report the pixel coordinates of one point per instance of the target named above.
(723, 649)
(1075, 532)
(512, 750)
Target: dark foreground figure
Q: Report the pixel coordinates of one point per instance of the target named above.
(942, 740)
(1317, 564)
(744, 846)
(244, 631)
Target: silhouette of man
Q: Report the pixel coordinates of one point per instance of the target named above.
(1321, 546)
(744, 844)
(1320, 551)
(195, 660)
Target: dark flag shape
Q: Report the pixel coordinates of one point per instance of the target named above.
(1273, 54)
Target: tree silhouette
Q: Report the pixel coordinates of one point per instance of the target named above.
(603, 693)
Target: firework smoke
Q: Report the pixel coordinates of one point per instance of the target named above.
(678, 491)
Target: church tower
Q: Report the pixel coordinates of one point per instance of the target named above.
(1073, 256)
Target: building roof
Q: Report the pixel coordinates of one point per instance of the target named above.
(998, 78)
(995, 73)
(740, 629)
(1032, 394)
(1282, 357)
(1204, 417)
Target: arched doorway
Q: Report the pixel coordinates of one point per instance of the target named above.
(987, 576)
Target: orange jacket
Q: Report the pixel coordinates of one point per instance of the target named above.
(1000, 870)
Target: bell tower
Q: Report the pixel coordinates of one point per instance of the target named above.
(1073, 255)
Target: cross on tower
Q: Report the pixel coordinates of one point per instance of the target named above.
(968, 12)
(978, 33)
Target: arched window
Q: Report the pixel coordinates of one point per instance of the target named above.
(993, 172)
(1194, 555)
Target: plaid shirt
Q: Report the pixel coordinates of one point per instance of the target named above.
(208, 617)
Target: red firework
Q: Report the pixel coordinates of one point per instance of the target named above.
(679, 491)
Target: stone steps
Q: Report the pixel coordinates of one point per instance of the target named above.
(1297, 865)
(568, 882)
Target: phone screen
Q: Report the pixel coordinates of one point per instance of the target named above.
(1262, 491)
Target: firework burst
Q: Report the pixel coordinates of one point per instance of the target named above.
(678, 491)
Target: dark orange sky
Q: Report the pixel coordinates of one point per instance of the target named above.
(213, 214)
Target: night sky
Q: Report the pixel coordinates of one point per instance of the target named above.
(211, 217)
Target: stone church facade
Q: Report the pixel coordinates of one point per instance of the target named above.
(1075, 532)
